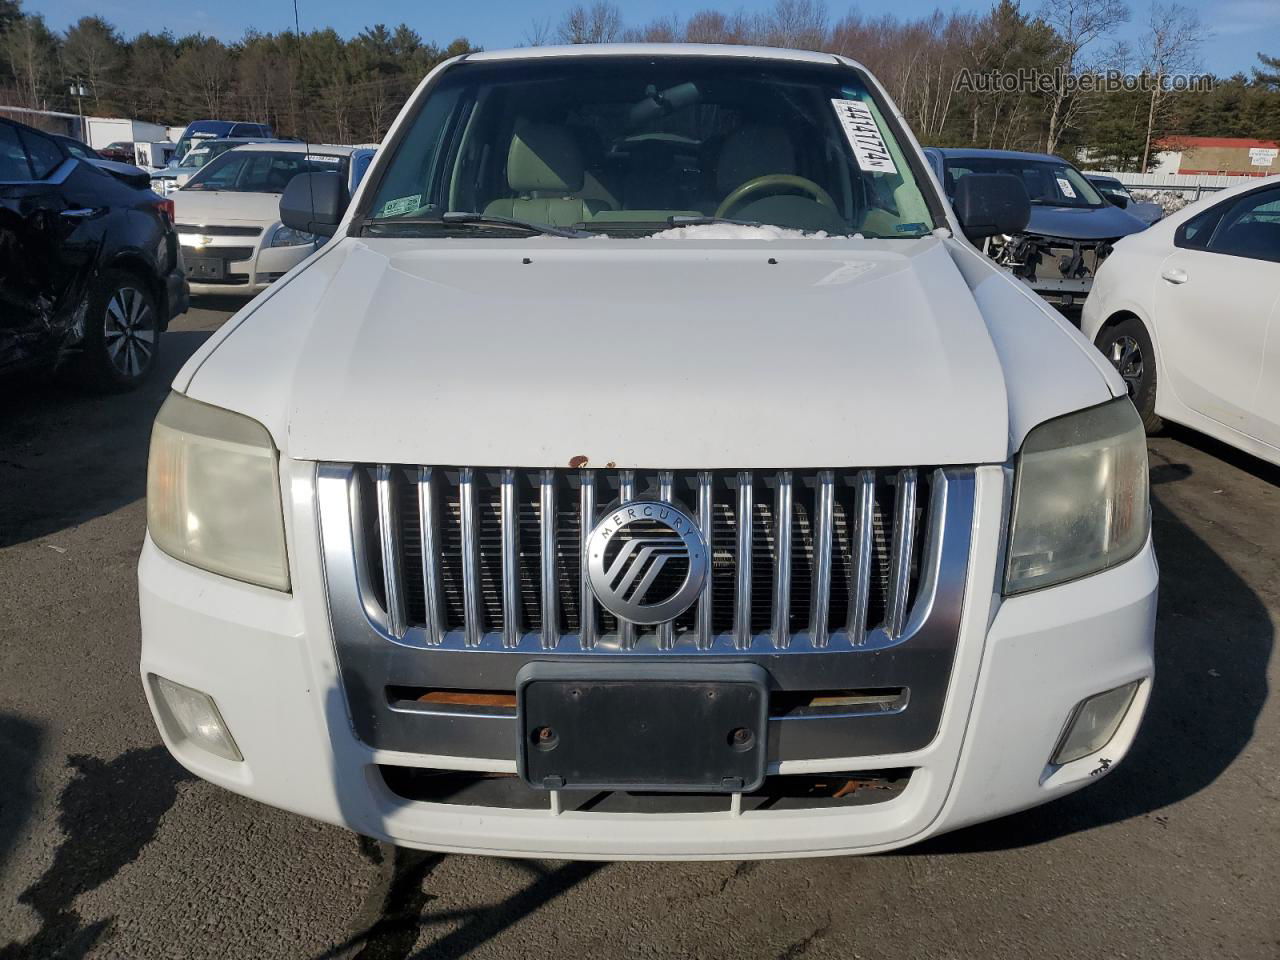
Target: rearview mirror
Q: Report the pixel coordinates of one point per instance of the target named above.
(1118, 199)
(314, 203)
(988, 204)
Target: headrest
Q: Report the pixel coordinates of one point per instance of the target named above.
(544, 157)
(751, 151)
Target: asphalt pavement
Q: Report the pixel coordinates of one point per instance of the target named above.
(109, 849)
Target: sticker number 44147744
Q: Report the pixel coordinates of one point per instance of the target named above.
(868, 144)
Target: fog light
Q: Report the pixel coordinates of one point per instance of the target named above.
(194, 717)
(1093, 722)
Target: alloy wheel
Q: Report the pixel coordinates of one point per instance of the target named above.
(1126, 357)
(129, 332)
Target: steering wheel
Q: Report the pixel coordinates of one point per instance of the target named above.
(773, 183)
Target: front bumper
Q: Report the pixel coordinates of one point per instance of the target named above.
(268, 660)
(250, 276)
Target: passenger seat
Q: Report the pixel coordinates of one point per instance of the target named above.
(545, 170)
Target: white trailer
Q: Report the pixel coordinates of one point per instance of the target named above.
(100, 132)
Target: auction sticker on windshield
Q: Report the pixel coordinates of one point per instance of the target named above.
(322, 158)
(864, 136)
(394, 208)
(1065, 186)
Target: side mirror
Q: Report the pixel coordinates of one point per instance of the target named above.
(988, 204)
(1118, 199)
(314, 203)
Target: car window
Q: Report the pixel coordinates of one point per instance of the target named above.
(1195, 233)
(623, 144)
(43, 153)
(1052, 183)
(1250, 227)
(219, 174)
(360, 168)
(260, 171)
(13, 159)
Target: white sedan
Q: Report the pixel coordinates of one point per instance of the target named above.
(1189, 313)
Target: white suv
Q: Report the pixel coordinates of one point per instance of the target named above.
(649, 469)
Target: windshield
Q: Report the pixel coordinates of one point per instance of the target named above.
(261, 171)
(1050, 183)
(199, 156)
(622, 145)
(1111, 188)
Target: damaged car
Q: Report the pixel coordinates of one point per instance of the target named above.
(90, 269)
(1073, 226)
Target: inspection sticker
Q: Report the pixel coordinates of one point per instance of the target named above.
(1065, 186)
(864, 136)
(394, 208)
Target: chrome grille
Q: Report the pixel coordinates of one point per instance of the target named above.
(491, 558)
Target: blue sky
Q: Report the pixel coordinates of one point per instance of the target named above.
(1237, 28)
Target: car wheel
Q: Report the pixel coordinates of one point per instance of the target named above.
(1128, 346)
(122, 332)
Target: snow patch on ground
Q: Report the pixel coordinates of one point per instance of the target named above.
(1170, 201)
(735, 231)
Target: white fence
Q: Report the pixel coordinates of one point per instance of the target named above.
(1190, 186)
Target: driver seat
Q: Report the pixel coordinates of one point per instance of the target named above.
(546, 172)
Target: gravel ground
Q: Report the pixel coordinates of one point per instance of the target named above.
(109, 849)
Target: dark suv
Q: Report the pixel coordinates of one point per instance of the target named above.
(90, 267)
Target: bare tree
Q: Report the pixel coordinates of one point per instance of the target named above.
(1169, 46)
(538, 33)
(712, 26)
(31, 51)
(93, 50)
(1078, 24)
(599, 23)
(202, 76)
(660, 30)
(801, 24)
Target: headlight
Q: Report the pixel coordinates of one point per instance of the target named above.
(289, 237)
(1080, 502)
(213, 493)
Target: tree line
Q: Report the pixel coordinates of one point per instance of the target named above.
(324, 87)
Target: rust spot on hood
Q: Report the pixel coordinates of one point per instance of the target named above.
(578, 461)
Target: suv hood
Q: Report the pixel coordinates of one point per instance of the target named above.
(1107, 222)
(648, 353)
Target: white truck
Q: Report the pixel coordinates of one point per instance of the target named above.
(649, 467)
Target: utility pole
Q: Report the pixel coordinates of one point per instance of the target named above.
(79, 91)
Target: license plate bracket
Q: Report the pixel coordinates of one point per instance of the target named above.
(643, 726)
(206, 268)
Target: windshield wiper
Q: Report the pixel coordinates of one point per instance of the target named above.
(485, 219)
(679, 221)
(459, 217)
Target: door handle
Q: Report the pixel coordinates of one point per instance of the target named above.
(1174, 274)
(79, 214)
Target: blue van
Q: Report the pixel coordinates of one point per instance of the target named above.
(205, 129)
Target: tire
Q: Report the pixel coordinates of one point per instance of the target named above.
(1128, 346)
(121, 332)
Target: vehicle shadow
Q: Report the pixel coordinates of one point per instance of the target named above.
(1214, 640)
(108, 812)
(1267, 472)
(67, 456)
(224, 303)
(398, 908)
(21, 742)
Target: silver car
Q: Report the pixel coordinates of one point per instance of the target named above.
(228, 213)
